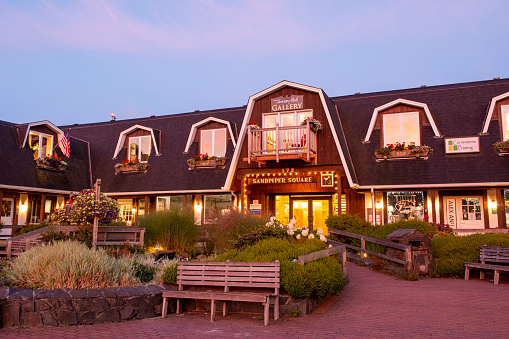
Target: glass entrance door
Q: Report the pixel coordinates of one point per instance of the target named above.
(311, 212)
(7, 211)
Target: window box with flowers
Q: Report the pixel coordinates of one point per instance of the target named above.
(51, 162)
(204, 160)
(315, 124)
(502, 147)
(131, 166)
(402, 151)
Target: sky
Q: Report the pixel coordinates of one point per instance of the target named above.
(76, 61)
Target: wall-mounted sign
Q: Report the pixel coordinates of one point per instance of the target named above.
(450, 212)
(287, 102)
(327, 180)
(282, 180)
(461, 145)
(255, 209)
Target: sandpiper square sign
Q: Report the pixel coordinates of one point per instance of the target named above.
(462, 145)
(287, 102)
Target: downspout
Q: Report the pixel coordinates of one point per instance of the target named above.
(373, 205)
(90, 164)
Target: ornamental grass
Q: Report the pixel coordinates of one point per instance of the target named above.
(72, 265)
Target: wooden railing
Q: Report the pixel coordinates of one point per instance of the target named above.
(281, 142)
(364, 238)
(341, 249)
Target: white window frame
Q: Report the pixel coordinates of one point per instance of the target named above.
(401, 115)
(213, 131)
(40, 139)
(278, 114)
(140, 137)
(504, 121)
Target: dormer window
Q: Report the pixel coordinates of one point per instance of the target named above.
(139, 148)
(213, 142)
(505, 122)
(401, 128)
(41, 144)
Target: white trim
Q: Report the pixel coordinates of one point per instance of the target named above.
(121, 138)
(166, 192)
(249, 111)
(195, 126)
(431, 186)
(41, 135)
(35, 189)
(493, 103)
(48, 124)
(424, 106)
(213, 141)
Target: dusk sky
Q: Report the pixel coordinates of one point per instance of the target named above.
(77, 61)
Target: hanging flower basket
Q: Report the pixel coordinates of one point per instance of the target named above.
(52, 163)
(502, 147)
(131, 166)
(315, 124)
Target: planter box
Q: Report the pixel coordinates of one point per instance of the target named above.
(405, 154)
(207, 163)
(141, 168)
(42, 165)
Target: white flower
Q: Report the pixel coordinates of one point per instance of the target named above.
(272, 218)
(293, 221)
(298, 236)
(281, 226)
(319, 231)
(290, 232)
(290, 227)
(305, 232)
(267, 224)
(299, 228)
(311, 236)
(323, 238)
(330, 246)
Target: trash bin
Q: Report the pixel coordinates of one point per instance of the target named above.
(421, 248)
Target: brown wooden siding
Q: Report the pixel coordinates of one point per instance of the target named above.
(137, 133)
(45, 130)
(327, 153)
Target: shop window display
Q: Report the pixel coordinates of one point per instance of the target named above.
(405, 206)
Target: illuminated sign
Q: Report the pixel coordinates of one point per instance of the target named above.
(281, 180)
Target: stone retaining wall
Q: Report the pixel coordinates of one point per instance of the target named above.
(36, 308)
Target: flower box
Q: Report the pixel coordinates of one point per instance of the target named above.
(51, 165)
(502, 147)
(404, 154)
(206, 163)
(140, 167)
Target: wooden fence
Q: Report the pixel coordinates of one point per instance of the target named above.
(341, 249)
(364, 238)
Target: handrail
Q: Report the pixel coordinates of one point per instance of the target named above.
(304, 258)
(363, 238)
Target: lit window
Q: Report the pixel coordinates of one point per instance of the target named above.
(505, 122)
(285, 119)
(139, 148)
(213, 142)
(402, 128)
(41, 144)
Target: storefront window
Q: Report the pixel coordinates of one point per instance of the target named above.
(126, 210)
(217, 204)
(283, 208)
(506, 199)
(174, 201)
(405, 206)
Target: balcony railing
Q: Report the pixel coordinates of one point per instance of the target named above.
(281, 143)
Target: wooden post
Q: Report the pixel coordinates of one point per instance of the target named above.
(43, 207)
(408, 258)
(97, 188)
(373, 206)
(340, 190)
(277, 142)
(363, 246)
(433, 208)
(249, 142)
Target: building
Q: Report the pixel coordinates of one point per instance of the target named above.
(292, 151)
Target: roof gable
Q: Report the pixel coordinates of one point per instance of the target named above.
(491, 110)
(123, 134)
(195, 126)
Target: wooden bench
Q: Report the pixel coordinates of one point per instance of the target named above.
(16, 247)
(498, 257)
(242, 276)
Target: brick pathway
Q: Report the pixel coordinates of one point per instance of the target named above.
(372, 305)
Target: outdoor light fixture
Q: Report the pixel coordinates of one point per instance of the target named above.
(23, 207)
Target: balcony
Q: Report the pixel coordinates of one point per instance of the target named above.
(281, 143)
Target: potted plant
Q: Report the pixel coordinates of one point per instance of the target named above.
(131, 166)
(51, 162)
(204, 160)
(501, 146)
(315, 124)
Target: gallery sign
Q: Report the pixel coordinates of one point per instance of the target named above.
(287, 102)
(282, 180)
(462, 145)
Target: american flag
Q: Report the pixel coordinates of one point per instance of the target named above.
(65, 146)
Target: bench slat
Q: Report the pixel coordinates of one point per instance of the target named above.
(227, 274)
(229, 269)
(220, 296)
(232, 263)
(204, 279)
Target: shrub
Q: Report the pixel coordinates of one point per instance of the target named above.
(173, 229)
(32, 227)
(125, 250)
(450, 253)
(254, 237)
(144, 273)
(231, 226)
(71, 264)
(170, 275)
(52, 235)
(319, 278)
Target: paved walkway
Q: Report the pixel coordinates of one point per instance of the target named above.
(372, 305)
